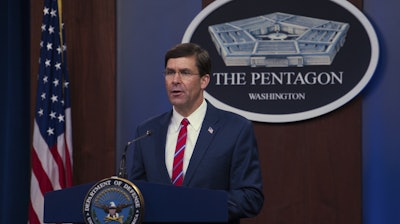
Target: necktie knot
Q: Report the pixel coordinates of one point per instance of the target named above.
(184, 122)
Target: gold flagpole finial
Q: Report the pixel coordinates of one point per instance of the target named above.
(59, 3)
(60, 21)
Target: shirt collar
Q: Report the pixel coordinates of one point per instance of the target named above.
(195, 119)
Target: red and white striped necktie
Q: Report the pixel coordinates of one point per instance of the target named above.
(177, 171)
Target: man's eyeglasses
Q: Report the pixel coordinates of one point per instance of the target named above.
(183, 73)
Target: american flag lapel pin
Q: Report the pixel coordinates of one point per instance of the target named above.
(210, 130)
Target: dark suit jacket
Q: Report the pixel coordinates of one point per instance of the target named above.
(225, 157)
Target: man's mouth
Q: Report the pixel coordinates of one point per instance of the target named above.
(176, 92)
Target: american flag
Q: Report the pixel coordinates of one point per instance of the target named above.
(52, 142)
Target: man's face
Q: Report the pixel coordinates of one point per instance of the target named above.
(184, 84)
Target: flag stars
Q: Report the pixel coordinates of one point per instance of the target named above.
(57, 66)
(51, 29)
(40, 112)
(59, 50)
(60, 118)
(49, 112)
(52, 115)
(47, 62)
(54, 98)
(46, 11)
(66, 84)
(49, 46)
(53, 13)
(50, 131)
(56, 82)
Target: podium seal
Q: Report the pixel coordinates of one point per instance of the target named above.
(113, 200)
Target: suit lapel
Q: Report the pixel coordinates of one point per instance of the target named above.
(161, 134)
(207, 132)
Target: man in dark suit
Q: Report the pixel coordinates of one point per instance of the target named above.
(220, 150)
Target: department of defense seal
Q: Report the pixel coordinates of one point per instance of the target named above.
(113, 200)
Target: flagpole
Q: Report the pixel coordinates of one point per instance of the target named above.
(60, 21)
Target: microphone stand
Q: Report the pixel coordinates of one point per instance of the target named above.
(122, 166)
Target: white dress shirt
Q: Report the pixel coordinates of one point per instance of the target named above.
(193, 130)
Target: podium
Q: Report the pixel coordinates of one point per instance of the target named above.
(162, 204)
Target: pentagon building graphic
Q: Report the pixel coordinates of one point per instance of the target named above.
(278, 40)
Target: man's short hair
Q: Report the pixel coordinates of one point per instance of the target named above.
(203, 61)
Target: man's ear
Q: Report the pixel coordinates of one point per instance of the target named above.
(205, 79)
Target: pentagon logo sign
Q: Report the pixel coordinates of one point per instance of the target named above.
(285, 61)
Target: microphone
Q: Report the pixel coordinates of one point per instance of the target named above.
(122, 165)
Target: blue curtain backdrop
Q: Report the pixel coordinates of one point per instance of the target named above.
(15, 111)
(145, 30)
(381, 120)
